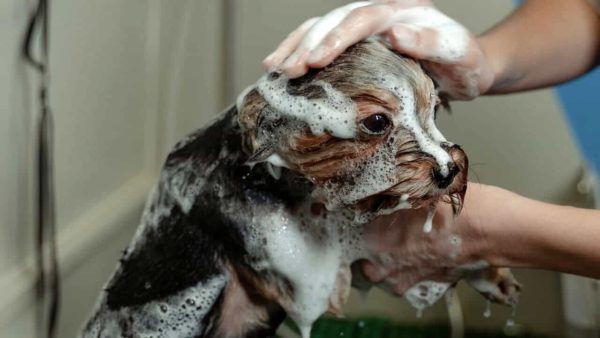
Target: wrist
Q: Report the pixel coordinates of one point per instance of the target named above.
(479, 242)
(495, 65)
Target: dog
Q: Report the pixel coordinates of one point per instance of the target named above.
(258, 215)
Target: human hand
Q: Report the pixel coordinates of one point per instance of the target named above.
(403, 255)
(448, 52)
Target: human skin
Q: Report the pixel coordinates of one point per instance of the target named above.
(497, 227)
(542, 43)
(539, 44)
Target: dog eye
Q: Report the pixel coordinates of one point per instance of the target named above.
(375, 124)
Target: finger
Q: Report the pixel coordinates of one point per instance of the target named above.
(288, 45)
(374, 273)
(296, 65)
(361, 23)
(403, 283)
(418, 43)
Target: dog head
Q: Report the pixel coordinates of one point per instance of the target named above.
(362, 130)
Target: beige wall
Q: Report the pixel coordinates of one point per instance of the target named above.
(129, 78)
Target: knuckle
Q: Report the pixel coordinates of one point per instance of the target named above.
(361, 13)
(332, 40)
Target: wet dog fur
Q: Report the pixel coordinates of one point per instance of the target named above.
(193, 235)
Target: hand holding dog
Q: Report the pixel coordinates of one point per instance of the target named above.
(403, 254)
(450, 54)
(496, 227)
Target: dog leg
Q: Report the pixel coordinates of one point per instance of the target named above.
(247, 308)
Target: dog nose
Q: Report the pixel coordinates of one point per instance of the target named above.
(444, 181)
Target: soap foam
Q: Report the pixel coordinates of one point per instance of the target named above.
(336, 113)
(425, 293)
(408, 118)
(177, 316)
(327, 23)
(453, 39)
(373, 176)
(309, 251)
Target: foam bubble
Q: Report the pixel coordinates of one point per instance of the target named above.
(408, 118)
(428, 225)
(327, 23)
(453, 39)
(425, 293)
(176, 316)
(311, 252)
(335, 113)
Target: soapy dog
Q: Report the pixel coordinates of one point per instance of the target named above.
(259, 215)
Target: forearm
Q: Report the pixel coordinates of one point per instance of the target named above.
(542, 43)
(515, 231)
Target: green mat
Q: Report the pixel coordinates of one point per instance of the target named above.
(381, 328)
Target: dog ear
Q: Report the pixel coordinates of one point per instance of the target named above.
(260, 126)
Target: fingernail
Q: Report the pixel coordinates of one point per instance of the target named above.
(405, 36)
(316, 55)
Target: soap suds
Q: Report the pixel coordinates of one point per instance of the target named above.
(336, 113)
(428, 225)
(408, 118)
(402, 204)
(183, 312)
(327, 23)
(309, 251)
(424, 294)
(453, 39)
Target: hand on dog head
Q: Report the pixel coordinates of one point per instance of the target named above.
(389, 156)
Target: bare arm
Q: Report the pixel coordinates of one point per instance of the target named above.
(542, 43)
(496, 226)
(521, 232)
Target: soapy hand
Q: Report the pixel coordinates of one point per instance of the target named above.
(449, 53)
(403, 254)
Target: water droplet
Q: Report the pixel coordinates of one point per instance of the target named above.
(488, 310)
(163, 308)
(190, 302)
(428, 226)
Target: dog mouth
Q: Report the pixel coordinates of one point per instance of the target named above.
(393, 199)
(383, 203)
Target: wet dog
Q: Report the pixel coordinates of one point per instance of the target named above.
(258, 215)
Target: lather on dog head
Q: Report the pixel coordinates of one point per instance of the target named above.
(361, 129)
